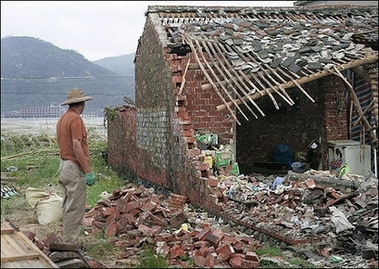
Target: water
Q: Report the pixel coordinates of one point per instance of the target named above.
(45, 126)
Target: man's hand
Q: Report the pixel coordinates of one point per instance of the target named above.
(90, 179)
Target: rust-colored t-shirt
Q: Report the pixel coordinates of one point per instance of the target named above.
(71, 126)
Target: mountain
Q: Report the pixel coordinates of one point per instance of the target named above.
(122, 64)
(35, 73)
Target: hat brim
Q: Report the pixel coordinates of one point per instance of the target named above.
(76, 100)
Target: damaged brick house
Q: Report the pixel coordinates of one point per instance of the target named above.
(248, 79)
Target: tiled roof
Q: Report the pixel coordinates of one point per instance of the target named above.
(258, 51)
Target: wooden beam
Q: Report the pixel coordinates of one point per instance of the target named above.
(189, 41)
(312, 77)
(357, 105)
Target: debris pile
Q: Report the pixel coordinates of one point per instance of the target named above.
(314, 215)
(136, 217)
(340, 215)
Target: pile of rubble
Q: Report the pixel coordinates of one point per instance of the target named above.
(327, 220)
(316, 211)
(136, 217)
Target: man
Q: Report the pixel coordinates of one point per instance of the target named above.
(75, 167)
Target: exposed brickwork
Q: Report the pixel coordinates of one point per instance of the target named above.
(297, 125)
(156, 140)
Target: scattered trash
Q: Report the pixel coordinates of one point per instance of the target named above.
(105, 195)
(335, 259)
(344, 170)
(11, 168)
(278, 181)
(7, 192)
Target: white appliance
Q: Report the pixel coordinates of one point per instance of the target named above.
(351, 152)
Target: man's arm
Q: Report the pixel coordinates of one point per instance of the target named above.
(81, 157)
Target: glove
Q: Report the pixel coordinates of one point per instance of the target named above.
(90, 179)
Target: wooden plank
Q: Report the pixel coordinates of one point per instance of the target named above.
(18, 251)
(7, 231)
(43, 257)
(35, 263)
(189, 41)
(20, 257)
(14, 247)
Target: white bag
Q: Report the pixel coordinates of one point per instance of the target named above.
(50, 210)
(34, 195)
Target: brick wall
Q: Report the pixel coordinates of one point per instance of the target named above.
(156, 140)
(122, 141)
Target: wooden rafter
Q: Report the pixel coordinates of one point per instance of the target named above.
(366, 124)
(312, 77)
(189, 41)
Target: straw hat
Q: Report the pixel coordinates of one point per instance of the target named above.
(76, 95)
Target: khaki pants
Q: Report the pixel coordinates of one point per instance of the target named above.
(73, 183)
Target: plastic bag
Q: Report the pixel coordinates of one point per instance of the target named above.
(49, 210)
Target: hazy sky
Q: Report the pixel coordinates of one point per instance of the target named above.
(95, 29)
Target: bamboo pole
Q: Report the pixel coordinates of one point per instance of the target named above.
(275, 89)
(357, 104)
(278, 84)
(312, 77)
(240, 79)
(364, 112)
(287, 98)
(221, 71)
(184, 77)
(189, 41)
(222, 86)
(240, 71)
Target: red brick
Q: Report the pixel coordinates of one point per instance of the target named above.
(31, 235)
(215, 237)
(251, 256)
(200, 244)
(239, 246)
(199, 261)
(176, 251)
(178, 219)
(52, 238)
(148, 205)
(115, 215)
(310, 183)
(111, 230)
(187, 246)
(163, 250)
(202, 234)
(236, 262)
(108, 211)
(224, 252)
(209, 261)
(212, 182)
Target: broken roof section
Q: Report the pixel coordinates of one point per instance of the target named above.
(250, 52)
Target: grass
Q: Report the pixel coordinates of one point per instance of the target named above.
(148, 259)
(36, 163)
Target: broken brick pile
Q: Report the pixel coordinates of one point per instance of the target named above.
(133, 216)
